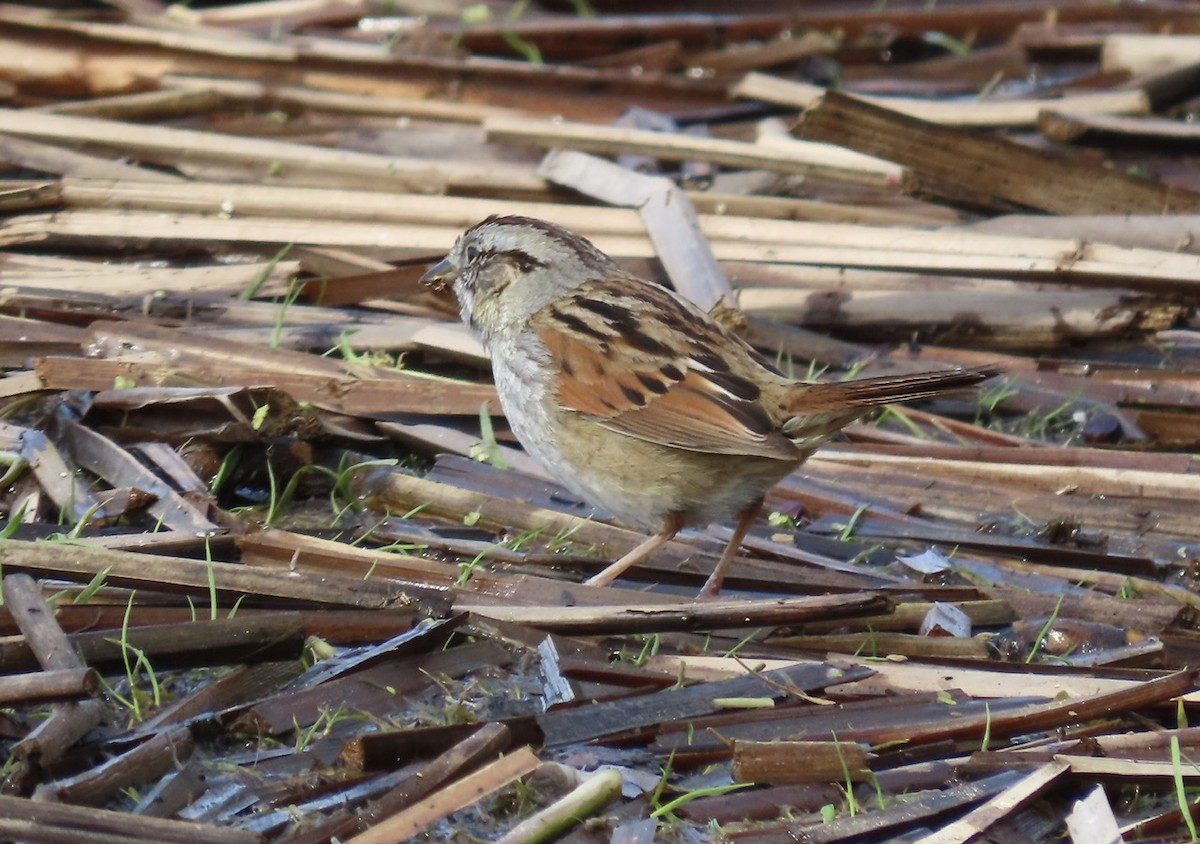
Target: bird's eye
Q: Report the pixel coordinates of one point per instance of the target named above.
(471, 252)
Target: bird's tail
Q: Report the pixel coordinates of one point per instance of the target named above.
(819, 410)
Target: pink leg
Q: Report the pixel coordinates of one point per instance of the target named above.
(712, 586)
(671, 526)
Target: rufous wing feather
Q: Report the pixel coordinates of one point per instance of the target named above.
(622, 374)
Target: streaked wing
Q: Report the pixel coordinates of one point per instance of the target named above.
(656, 377)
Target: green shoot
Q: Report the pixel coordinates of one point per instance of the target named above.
(745, 640)
(93, 586)
(259, 280)
(848, 528)
(663, 779)
(487, 450)
(212, 580)
(1185, 808)
(890, 412)
(851, 802)
(228, 462)
(15, 520)
(467, 569)
(987, 728)
(1045, 631)
(260, 416)
(949, 43)
(288, 300)
(133, 667)
(669, 807)
(16, 465)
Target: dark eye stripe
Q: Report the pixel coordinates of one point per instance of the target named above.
(524, 261)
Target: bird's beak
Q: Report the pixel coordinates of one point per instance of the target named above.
(440, 276)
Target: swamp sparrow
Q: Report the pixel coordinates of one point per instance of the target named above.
(633, 397)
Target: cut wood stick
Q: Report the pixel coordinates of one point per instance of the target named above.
(143, 764)
(46, 639)
(74, 823)
(58, 480)
(168, 353)
(458, 795)
(746, 56)
(683, 703)
(116, 279)
(909, 615)
(141, 106)
(582, 621)
(212, 41)
(119, 58)
(1096, 264)
(790, 762)
(965, 167)
(1082, 480)
(47, 158)
(249, 638)
(588, 797)
(276, 548)
(1000, 806)
(489, 740)
(346, 204)
(1148, 231)
(1145, 53)
(45, 686)
(1070, 126)
(909, 213)
(1002, 318)
(98, 454)
(269, 11)
(68, 722)
(360, 396)
(975, 113)
(891, 678)
(166, 145)
(28, 195)
(1092, 766)
(244, 90)
(825, 160)
(173, 574)
(438, 218)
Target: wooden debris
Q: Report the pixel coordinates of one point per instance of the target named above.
(277, 570)
(414, 819)
(985, 171)
(789, 762)
(980, 113)
(174, 574)
(49, 685)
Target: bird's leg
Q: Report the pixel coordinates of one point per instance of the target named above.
(712, 586)
(671, 526)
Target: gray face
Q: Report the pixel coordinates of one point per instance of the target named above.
(505, 269)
